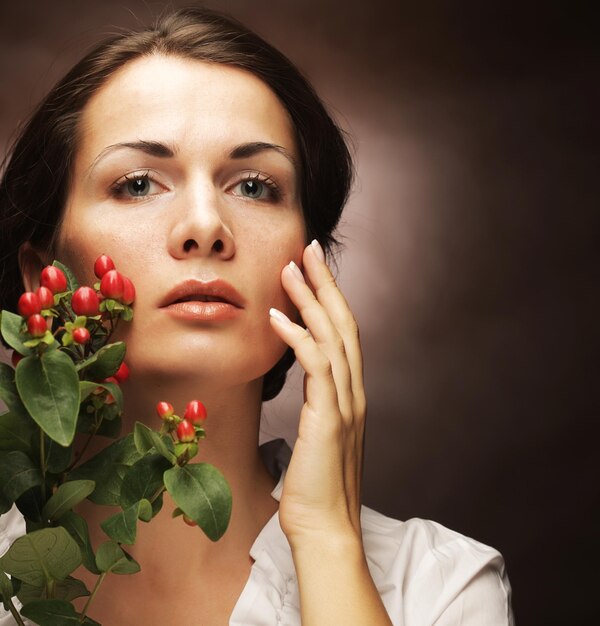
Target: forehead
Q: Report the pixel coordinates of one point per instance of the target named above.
(183, 102)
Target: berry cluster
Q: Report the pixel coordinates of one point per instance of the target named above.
(185, 431)
(83, 311)
(37, 306)
(113, 285)
(188, 428)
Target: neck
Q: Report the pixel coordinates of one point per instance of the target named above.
(231, 445)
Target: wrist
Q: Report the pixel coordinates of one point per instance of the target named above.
(327, 544)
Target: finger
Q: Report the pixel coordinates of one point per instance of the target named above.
(331, 298)
(323, 332)
(321, 392)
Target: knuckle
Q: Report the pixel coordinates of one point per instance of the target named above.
(350, 325)
(360, 408)
(338, 344)
(324, 366)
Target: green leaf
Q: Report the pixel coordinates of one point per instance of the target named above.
(143, 480)
(116, 393)
(31, 504)
(10, 326)
(42, 556)
(58, 458)
(77, 527)
(9, 393)
(6, 589)
(16, 432)
(110, 428)
(105, 362)
(127, 313)
(67, 496)
(72, 283)
(122, 527)
(67, 589)
(86, 387)
(203, 494)
(145, 439)
(18, 474)
(111, 558)
(54, 613)
(107, 469)
(49, 388)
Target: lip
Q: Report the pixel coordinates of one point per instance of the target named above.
(228, 305)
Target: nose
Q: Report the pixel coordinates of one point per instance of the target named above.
(198, 226)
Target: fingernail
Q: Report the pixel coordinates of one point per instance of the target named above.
(296, 271)
(318, 251)
(279, 316)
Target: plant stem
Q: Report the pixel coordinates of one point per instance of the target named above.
(80, 454)
(161, 490)
(92, 596)
(43, 465)
(13, 610)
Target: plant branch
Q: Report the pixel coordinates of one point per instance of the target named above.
(92, 596)
(79, 455)
(160, 491)
(43, 465)
(13, 610)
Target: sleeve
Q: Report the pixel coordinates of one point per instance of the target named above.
(457, 582)
(484, 599)
(12, 526)
(428, 575)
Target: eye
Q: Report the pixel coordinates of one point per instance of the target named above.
(252, 188)
(257, 187)
(136, 185)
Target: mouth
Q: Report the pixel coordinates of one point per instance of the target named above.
(215, 291)
(201, 298)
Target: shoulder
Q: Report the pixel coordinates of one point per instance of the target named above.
(428, 574)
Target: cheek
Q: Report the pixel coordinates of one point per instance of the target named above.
(82, 239)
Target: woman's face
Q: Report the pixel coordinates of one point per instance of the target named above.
(186, 175)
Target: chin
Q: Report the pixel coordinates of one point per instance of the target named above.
(220, 364)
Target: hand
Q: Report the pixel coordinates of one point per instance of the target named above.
(321, 495)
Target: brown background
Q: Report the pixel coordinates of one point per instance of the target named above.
(471, 254)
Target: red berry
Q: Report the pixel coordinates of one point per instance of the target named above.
(15, 358)
(164, 409)
(81, 335)
(188, 520)
(128, 291)
(85, 301)
(102, 265)
(112, 285)
(46, 297)
(36, 325)
(122, 374)
(53, 278)
(29, 304)
(185, 431)
(111, 379)
(195, 412)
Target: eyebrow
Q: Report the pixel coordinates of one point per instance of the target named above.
(163, 151)
(153, 148)
(245, 150)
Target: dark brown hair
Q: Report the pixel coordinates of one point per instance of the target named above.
(37, 170)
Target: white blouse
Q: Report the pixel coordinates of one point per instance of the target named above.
(425, 574)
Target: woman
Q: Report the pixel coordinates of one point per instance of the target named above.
(199, 159)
